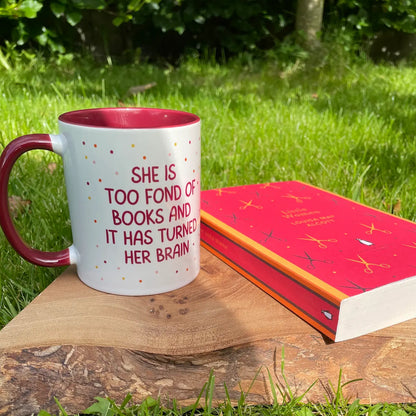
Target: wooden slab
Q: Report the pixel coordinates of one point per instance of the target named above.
(75, 343)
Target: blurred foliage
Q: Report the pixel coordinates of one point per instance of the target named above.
(369, 16)
(170, 28)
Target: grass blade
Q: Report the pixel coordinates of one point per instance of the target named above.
(209, 393)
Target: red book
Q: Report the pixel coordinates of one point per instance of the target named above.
(345, 268)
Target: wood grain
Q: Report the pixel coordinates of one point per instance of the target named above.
(75, 343)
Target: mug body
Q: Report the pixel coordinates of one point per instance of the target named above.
(133, 186)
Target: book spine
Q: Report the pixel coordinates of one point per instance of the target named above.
(309, 305)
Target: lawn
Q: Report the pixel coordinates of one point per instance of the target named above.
(345, 125)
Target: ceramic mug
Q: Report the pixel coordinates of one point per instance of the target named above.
(133, 184)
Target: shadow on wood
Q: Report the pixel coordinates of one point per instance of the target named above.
(75, 343)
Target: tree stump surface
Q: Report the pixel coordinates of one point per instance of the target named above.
(75, 343)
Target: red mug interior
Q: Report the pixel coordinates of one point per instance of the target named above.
(129, 118)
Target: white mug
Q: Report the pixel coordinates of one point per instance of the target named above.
(133, 184)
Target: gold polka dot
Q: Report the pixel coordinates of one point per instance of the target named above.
(123, 278)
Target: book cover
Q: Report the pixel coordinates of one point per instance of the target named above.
(345, 268)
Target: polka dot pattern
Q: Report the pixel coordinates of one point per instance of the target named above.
(108, 164)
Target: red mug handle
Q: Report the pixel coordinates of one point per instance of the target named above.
(9, 156)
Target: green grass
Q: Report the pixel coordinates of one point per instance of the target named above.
(285, 403)
(348, 126)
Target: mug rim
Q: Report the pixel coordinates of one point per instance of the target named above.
(129, 118)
